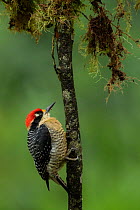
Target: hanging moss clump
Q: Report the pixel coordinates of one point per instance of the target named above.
(20, 14)
(105, 37)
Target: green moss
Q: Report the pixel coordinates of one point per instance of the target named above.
(20, 12)
(35, 16)
(123, 12)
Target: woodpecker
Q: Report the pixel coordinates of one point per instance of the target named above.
(47, 144)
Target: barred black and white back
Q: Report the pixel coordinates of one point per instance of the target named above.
(39, 144)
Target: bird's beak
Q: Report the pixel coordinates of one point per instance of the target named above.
(50, 107)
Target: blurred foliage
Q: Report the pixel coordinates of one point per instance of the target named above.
(110, 137)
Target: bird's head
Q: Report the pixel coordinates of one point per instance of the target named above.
(36, 115)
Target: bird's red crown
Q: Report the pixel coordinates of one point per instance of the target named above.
(31, 116)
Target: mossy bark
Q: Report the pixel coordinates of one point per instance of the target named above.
(65, 74)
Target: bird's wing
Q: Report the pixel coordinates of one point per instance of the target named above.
(40, 150)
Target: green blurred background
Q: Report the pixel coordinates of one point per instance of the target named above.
(110, 132)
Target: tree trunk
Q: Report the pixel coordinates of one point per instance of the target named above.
(64, 42)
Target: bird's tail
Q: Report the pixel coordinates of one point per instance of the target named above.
(47, 183)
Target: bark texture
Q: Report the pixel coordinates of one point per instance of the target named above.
(65, 74)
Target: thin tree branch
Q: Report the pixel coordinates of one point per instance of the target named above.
(83, 14)
(52, 53)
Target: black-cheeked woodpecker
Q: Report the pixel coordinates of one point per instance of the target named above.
(47, 144)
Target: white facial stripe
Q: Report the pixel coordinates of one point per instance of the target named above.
(36, 114)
